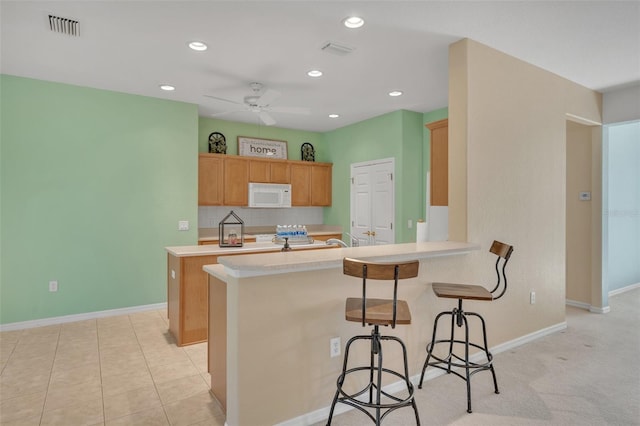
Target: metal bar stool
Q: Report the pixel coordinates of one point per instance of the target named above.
(459, 317)
(371, 399)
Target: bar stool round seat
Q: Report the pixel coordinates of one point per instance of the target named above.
(456, 351)
(369, 397)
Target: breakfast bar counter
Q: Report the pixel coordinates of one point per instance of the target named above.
(187, 284)
(272, 316)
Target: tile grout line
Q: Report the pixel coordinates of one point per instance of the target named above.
(46, 394)
(104, 414)
(146, 363)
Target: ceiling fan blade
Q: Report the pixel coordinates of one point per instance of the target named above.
(268, 97)
(291, 110)
(266, 118)
(224, 100)
(217, 114)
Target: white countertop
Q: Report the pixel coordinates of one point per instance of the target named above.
(253, 265)
(207, 250)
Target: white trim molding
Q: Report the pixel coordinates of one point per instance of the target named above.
(624, 289)
(80, 317)
(323, 413)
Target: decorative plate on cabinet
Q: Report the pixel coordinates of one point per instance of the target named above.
(217, 143)
(307, 153)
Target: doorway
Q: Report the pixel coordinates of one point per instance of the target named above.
(373, 202)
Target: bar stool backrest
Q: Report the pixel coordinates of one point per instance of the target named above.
(503, 251)
(380, 271)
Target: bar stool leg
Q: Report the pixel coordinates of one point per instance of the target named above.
(466, 361)
(430, 346)
(488, 354)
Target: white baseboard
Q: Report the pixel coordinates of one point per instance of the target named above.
(323, 413)
(624, 289)
(604, 309)
(80, 317)
(576, 304)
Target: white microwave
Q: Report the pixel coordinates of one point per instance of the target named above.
(269, 195)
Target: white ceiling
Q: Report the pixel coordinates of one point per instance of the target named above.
(134, 46)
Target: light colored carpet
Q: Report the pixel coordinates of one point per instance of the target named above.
(588, 374)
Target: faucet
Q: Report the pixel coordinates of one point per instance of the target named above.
(354, 240)
(336, 241)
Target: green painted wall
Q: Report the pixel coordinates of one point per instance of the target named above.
(93, 184)
(398, 135)
(231, 130)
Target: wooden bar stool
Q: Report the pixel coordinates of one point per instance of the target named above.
(376, 312)
(459, 318)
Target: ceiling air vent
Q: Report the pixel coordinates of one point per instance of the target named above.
(336, 48)
(64, 25)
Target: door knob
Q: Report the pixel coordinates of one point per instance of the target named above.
(367, 233)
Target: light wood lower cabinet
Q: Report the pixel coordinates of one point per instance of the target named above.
(188, 294)
(215, 242)
(326, 237)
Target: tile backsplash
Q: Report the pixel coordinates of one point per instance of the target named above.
(210, 216)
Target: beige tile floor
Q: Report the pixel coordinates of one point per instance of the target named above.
(121, 370)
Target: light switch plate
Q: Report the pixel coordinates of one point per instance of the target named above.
(585, 195)
(183, 225)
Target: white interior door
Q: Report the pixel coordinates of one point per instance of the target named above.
(373, 202)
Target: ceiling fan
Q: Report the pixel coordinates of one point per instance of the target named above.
(261, 104)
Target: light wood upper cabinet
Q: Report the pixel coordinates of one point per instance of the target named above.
(236, 181)
(321, 184)
(311, 184)
(280, 172)
(439, 186)
(210, 180)
(300, 185)
(223, 180)
(269, 171)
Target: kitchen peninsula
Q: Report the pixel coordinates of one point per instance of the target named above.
(271, 317)
(187, 288)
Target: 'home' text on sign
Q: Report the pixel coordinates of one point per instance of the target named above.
(267, 148)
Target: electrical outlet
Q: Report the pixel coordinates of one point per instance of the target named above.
(334, 347)
(53, 286)
(409, 224)
(183, 225)
(532, 297)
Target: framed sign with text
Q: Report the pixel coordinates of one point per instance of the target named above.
(267, 148)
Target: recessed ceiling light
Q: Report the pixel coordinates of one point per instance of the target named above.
(167, 87)
(353, 22)
(314, 73)
(395, 93)
(198, 45)
(334, 115)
